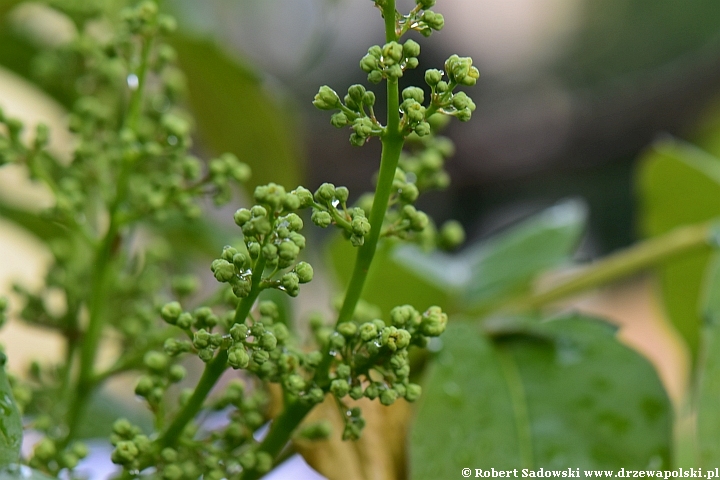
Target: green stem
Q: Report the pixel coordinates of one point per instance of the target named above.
(214, 369)
(646, 254)
(101, 272)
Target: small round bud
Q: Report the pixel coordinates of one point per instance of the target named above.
(325, 193)
(339, 120)
(392, 53)
(144, 386)
(409, 193)
(411, 48)
(291, 283)
(176, 373)
(375, 76)
(304, 272)
(156, 361)
(388, 397)
(340, 388)
(347, 329)
(368, 331)
(170, 312)
(452, 235)
(412, 392)
(268, 341)
(434, 322)
(305, 196)
(369, 99)
(242, 216)
(413, 93)
(321, 218)
(343, 370)
(326, 99)
(238, 357)
(223, 270)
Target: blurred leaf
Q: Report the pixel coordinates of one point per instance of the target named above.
(30, 221)
(102, 412)
(507, 262)
(378, 455)
(708, 414)
(389, 283)
(235, 114)
(22, 472)
(560, 394)
(11, 429)
(678, 184)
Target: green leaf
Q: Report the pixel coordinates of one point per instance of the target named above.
(235, 114)
(506, 263)
(31, 222)
(11, 429)
(560, 394)
(22, 472)
(708, 414)
(678, 184)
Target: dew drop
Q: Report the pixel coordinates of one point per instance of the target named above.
(133, 81)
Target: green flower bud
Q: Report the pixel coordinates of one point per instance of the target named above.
(254, 249)
(356, 93)
(342, 194)
(356, 393)
(228, 253)
(316, 431)
(392, 53)
(205, 354)
(425, 3)
(172, 472)
(372, 391)
(452, 235)
(247, 459)
(368, 331)
(369, 63)
(340, 388)
(360, 226)
(239, 332)
(336, 340)
(155, 361)
(412, 392)
(124, 453)
(264, 462)
(242, 216)
(442, 86)
(144, 386)
(170, 312)
(325, 193)
(241, 287)
(326, 99)
(271, 194)
(375, 76)
(411, 49)
(339, 120)
(434, 322)
(288, 251)
(79, 449)
(45, 449)
(409, 193)
(201, 339)
(343, 370)
(394, 71)
(347, 329)
(414, 93)
(422, 129)
(292, 202)
(176, 373)
(321, 218)
(369, 99)
(304, 272)
(270, 252)
(291, 283)
(375, 51)
(268, 341)
(388, 397)
(433, 20)
(238, 357)
(223, 270)
(260, 356)
(294, 383)
(411, 63)
(405, 315)
(313, 359)
(305, 196)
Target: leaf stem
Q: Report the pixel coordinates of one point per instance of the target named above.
(648, 253)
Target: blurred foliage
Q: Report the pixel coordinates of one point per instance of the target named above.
(565, 394)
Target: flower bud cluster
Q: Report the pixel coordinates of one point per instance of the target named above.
(50, 456)
(131, 445)
(351, 112)
(329, 206)
(390, 61)
(383, 348)
(426, 162)
(459, 71)
(272, 242)
(421, 19)
(160, 374)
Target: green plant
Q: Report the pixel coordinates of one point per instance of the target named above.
(132, 173)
